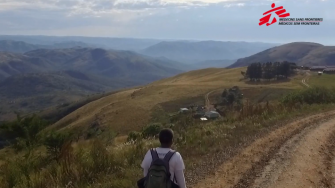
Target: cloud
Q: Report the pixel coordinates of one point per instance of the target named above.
(104, 6)
(51, 12)
(194, 19)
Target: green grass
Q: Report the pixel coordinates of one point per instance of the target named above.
(325, 80)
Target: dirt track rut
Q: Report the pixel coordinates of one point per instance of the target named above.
(299, 154)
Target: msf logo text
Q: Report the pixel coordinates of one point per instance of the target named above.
(280, 11)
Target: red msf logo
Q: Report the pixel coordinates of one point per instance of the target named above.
(280, 11)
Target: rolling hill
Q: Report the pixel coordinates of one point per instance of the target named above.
(101, 42)
(213, 64)
(35, 91)
(108, 63)
(34, 75)
(22, 47)
(126, 65)
(16, 46)
(193, 52)
(14, 64)
(134, 108)
(302, 53)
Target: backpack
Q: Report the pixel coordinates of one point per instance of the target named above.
(159, 172)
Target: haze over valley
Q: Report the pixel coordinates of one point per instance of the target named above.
(44, 71)
(51, 71)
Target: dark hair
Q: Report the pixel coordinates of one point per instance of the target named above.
(166, 136)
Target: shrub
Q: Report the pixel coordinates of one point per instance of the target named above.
(134, 136)
(315, 95)
(24, 130)
(151, 130)
(54, 143)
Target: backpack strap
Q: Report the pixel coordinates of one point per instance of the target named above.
(154, 154)
(167, 158)
(169, 155)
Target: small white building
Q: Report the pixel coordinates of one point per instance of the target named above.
(183, 110)
(212, 115)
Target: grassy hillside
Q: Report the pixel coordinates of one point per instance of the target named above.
(193, 52)
(132, 109)
(325, 80)
(214, 64)
(302, 53)
(97, 162)
(33, 92)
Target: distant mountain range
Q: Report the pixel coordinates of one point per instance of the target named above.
(41, 71)
(101, 42)
(213, 63)
(302, 53)
(46, 77)
(22, 47)
(195, 52)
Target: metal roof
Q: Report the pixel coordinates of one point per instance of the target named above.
(329, 69)
(318, 67)
(212, 112)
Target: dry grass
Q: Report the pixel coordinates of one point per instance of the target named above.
(94, 164)
(325, 80)
(132, 109)
(110, 163)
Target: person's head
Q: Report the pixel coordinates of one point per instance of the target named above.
(166, 137)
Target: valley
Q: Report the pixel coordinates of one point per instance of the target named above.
(98, 110)
(55, 71)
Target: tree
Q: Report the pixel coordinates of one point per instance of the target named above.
(268, 72)
(152, 130)
(224, 93)
(231, 96)
(254, 71)
(24, 130)
(54, 143)
(285, 69)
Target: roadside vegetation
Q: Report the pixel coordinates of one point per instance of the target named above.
(324, 80)
(38, 158)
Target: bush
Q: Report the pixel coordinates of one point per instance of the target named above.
(315, 95)
(151, 130)
(54, 143)
(134, 136)
(24, 130)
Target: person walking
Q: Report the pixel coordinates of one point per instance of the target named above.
(162, 166)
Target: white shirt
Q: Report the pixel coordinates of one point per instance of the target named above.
(176, 165)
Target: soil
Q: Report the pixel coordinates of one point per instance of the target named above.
(292, 155)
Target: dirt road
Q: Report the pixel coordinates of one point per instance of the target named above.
(209, 107)
(296, 155)
(303, 81)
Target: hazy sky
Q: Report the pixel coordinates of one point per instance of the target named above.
(167, 19)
